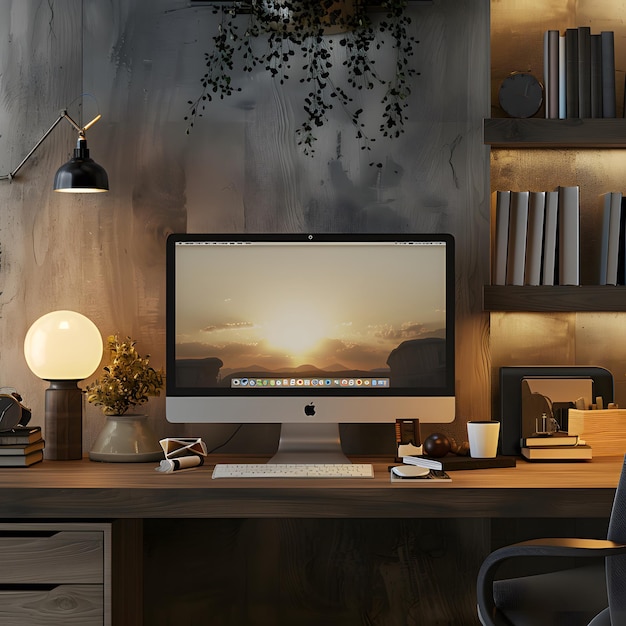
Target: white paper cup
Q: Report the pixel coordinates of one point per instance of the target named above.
(483, 438)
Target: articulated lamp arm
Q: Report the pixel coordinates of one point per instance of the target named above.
(82, 154)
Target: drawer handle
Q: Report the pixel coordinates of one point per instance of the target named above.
(27, 587)
(27, 533)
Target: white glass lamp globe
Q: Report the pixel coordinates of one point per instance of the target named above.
(63, 345)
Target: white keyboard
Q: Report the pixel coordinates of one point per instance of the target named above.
(293, 470)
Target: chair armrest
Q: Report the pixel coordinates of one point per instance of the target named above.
(535, 547)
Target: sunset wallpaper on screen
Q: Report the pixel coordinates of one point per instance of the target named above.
(280, 308)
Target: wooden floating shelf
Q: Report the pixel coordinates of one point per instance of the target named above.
(544, 133)
(561, 298)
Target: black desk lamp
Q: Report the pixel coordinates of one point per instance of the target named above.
(81, 174)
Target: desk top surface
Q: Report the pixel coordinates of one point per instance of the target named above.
(84, 489)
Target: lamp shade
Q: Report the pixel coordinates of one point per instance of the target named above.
(63, 345)
(81, 174)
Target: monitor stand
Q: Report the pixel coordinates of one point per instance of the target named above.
(309, 443)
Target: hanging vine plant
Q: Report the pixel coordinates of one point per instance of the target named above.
(293, 38)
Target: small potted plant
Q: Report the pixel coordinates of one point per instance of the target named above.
(128, 381)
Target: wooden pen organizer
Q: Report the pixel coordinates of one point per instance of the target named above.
(604, 430)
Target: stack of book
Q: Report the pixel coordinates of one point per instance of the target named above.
(579, 73)
(559, 446)
(21, 447)
(537, 238)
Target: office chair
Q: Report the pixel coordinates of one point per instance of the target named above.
(593, 595)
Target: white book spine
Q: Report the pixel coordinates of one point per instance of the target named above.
(518, 225)
(549, 237)
(569, 235)
(502, 202)
(534, 238)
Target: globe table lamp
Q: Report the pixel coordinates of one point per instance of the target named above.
(63, 347)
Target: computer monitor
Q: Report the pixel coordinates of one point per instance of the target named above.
(309, 331)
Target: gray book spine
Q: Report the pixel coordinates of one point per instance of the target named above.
(608, 74)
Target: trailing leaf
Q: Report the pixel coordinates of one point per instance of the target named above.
(276, 34)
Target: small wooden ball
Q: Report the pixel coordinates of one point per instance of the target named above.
(436, 445)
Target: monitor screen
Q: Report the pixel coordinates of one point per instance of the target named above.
(310, 329)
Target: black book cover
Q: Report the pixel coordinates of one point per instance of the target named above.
(452, 462)
(584, 71)
(608, 73)
(596, 76)
(571, 72)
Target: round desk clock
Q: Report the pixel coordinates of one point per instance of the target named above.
(520, 95)
(12, 412)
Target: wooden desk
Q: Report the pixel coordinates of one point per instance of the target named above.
(342, 552)
(84, 489)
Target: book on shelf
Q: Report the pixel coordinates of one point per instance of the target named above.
(579, 73)
(502, 200)
(452, 462)
(562, 79)
(548, 268)
(569, 235)
(608, 73)
(551, 71)
(537, 237)
(596, 76)
(557, 453)
(534, 237)
(610, 239)
(549, 441)
(20, 435)
(571, 72)
(621, 248)
(518, 227)
(584, 71)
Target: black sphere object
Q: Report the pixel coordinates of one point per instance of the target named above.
(436, 445)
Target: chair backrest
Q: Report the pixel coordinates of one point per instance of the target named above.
(616, 565)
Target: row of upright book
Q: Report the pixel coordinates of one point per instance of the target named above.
(21, 447)
(537, 237)
(579, 73)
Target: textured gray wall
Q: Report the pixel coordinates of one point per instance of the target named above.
(239, 170)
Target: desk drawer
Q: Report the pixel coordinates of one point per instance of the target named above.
(55, 573)
(64, 605)
(55, 557)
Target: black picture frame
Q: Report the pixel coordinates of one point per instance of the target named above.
(510, 404)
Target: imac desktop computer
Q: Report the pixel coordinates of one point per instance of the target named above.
(310, 331)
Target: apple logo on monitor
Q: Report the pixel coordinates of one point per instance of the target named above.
(309, 409)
